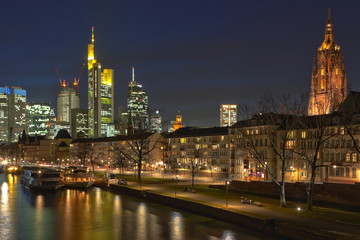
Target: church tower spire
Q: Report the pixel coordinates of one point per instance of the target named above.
(329, 35)
(328, 81)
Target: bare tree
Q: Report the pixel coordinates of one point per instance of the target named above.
(120, 160)
(85, 152)
(138, 147)
(313, 128)
(193, 165)
(275, 123)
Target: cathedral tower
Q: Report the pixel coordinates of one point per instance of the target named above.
(328, 82)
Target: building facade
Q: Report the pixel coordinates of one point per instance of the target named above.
(17, 113)
(155, 121)
(328, 81)
(4, 113)
(100, 95)
(79, 123)
(67, 99)
(137, 105)
(228, 115)
(39, 118)
(13, 116)
(205, 149)
(107, 151)
(123, 120)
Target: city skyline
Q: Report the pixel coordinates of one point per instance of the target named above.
(201, 50)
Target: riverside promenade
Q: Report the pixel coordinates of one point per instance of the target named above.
(324, 223)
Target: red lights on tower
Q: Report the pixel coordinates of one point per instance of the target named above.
(62, 82)
(76, 81)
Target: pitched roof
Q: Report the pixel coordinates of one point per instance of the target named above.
(63, 133)
(62, 144)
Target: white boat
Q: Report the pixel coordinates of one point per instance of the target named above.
(78, 178)
(41, 178)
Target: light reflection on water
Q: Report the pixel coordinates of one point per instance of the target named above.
(176, 226)
(141, 224)
(98, 214)
(5, 213)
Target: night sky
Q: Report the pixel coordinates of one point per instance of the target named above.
(189, 55)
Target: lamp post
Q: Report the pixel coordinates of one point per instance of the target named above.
(176, 181)
(226, 192)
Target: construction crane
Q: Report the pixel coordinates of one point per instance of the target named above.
(76, 81)
(62, 82)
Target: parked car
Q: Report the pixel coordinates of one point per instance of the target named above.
(122, 182)
(111, 178)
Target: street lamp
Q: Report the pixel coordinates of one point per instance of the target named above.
(226, 193)
(176, 181)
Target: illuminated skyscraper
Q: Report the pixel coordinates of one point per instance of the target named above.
(4, 113)
(228, 115)
(79, 123)
(39, 117)
(17, 113)
(155, 121)
(12, 113)
(67, 99)
(137, 105)
(100, 95)
(328, 83)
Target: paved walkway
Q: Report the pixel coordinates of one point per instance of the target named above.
(346, 230)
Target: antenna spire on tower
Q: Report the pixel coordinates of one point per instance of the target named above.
(92, 35)
(133, 74)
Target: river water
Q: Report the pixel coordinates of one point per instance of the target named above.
(99, 214)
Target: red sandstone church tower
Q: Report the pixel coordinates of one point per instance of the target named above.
(328, 82)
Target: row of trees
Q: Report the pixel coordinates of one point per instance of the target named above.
(133, 152)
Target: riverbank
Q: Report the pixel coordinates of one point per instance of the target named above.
(256, 221)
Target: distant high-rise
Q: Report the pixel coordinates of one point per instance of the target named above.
(328, 82)
(17, 113)
(39, 117)
(67, 99)
(137, 105)
(123, 120)
(100, 95)
(79, 123)
(155, 121)
(12, 113)
(228, 114)
(4, 113)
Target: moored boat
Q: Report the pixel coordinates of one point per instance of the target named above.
(41, 178)
(75, 177)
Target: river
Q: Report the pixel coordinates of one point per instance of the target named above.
(100, 214)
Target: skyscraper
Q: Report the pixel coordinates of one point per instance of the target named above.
(17, 113)
(39, 117)
(4, 113)
(12, 113)
(79, 123)
(123, 120)
(328, 82)
(137, 105)
(155, 121)
(100, 95)
(228, 115)
(67, 99)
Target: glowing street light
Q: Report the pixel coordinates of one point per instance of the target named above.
(226, 192)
